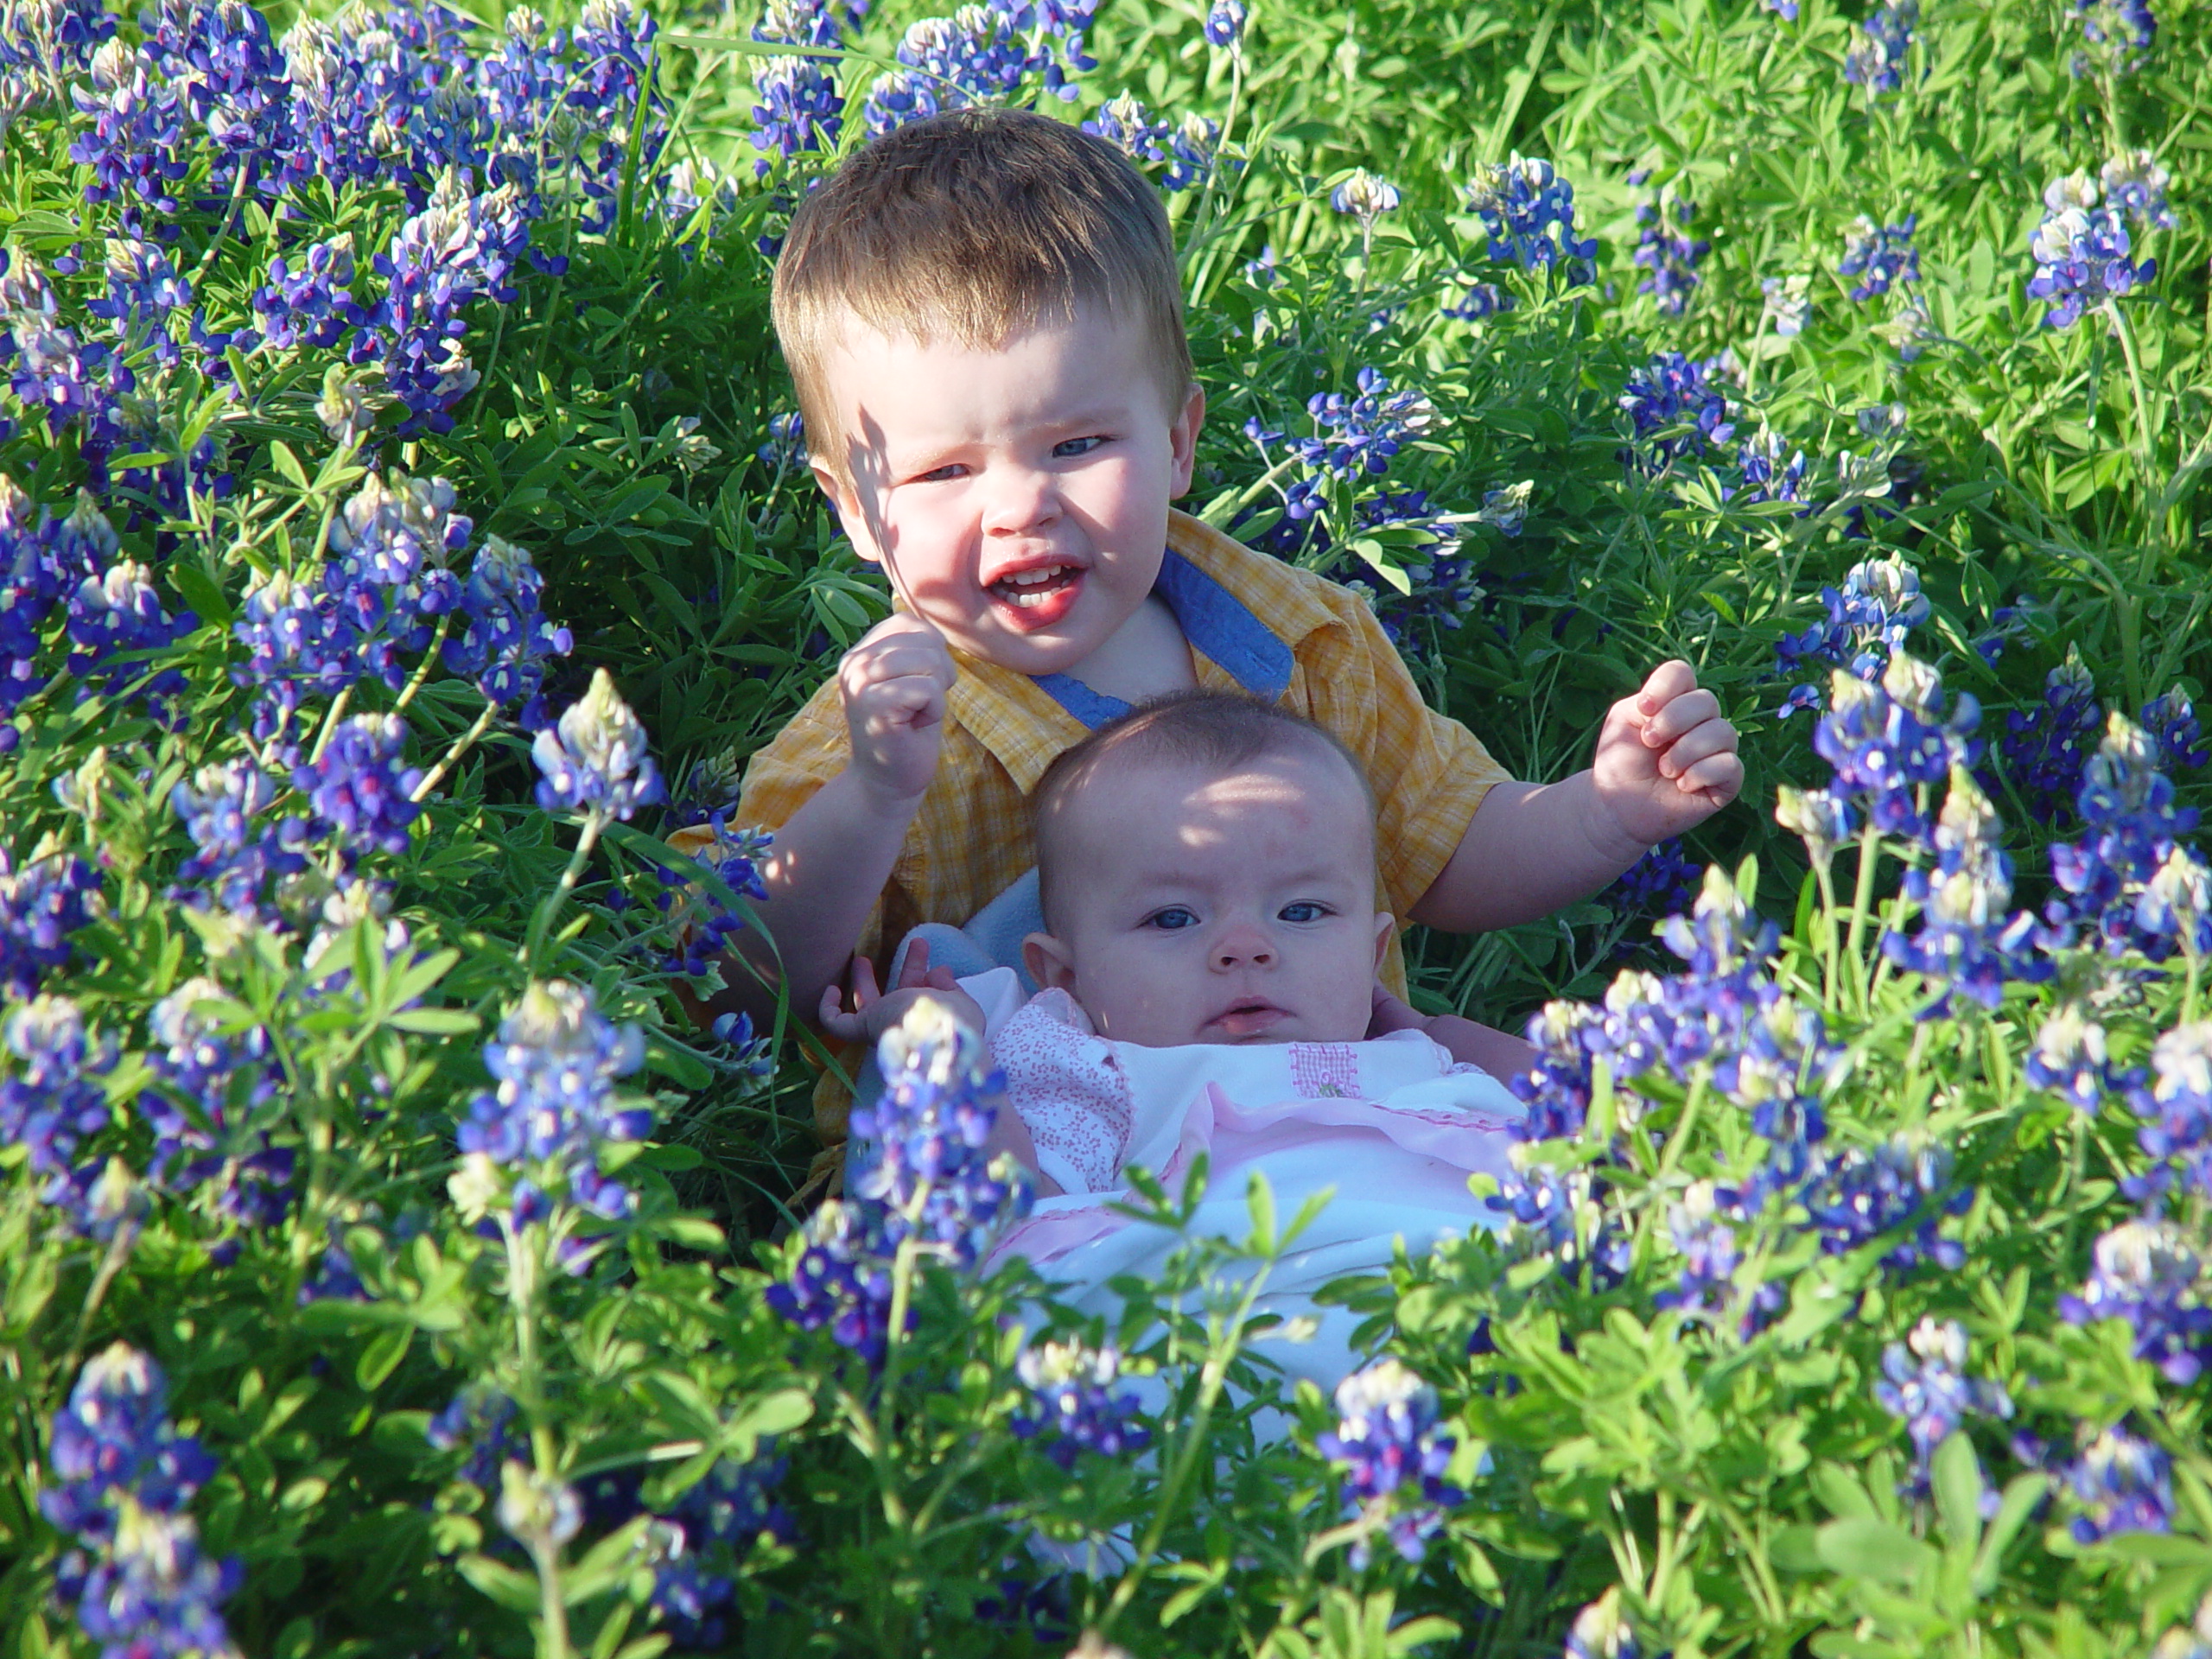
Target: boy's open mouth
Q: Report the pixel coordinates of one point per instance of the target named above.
(1038, 596)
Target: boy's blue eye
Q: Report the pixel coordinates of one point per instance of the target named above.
(1174, 918)
(1305, 909)
(939, 474)
(1073, 447)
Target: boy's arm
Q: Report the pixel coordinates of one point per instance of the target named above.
(830, 859)
(1666, 761)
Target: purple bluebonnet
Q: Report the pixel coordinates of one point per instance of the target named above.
(143, 289)
(1891, 739)
(1788, 302)
(2136, 184)
(693, 1545)
(53, 1101)
(308, 297)
(1859, 1197)
(505, 640)
(1393, 1454)
(1706, 1290)
(785, 449)
(1354, 438)
(136, 141)
(1878, 62)
(208, 1148)
(918, 1178)
(1924, 1383)
(555, 1065)
(2069, 1057)
(1074, 1405)
(1225, 24)
(120, 1478)
(1601, 1630)
(2171, 722)
(388, 575)
(41, 565)
(1528, 213)
(1869, 617)
(1968, 942)
(2130, 828)
(2122, 1483)
(800, 108)
(1187, 146)
(1477, 300)
(1665, 250)
(1439, 573)
(41, 905)
(45, 44)
(2174, 1106)
(2145, 1273)
(2046, 746)
(984, 55)
(118, 613)
(1366, 197)
(300, 643)
(1560, 1219)
(1677, 408)
(1818, 818)
(1663, 882)
(360, 791)
(479, 1421)
(594, 760)
(704, 926)
(2082, 252)
(1882, 256)
(1766, 476)
(2119, 32)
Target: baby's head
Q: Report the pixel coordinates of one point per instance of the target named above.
(1207, 868)
(983, 319)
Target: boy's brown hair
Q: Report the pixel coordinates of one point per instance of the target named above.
(1214, 731)
(975, 224)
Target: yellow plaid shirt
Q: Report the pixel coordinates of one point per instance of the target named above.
(970, 840)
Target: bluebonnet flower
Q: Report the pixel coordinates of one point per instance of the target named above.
(41, 905)
(308, 299)
(2175, 1107)
(2122, 30)
(718, 1519)
(2045, 748)
(2080, 251)
(2130, 826)
(143, 289)
(1706, 1290)
(1661, 883)
(1187, 147)
(2136, 185)
(45, 44)
(387, 574)
(39, 566)
(1859, 1197)
(1890, 739)
(979, 56)
(1224, 23)
(1477, 300)
(1881, 256)
(2123, 1483)
(54, 1101)
(703, 926)
(505, 641)
(1505, 510)
(1677, 408)
(1560, 1218)
(480, 1421)
(800, 108)
(1878, 62)
(2171, 721)
(1966, 942)
(2145, 1273)
(1362, 433)
(1441, 578)
(840, 1278)
(241, 1175)
(594, 759)
(1074, 1405)
(2069, 1057)
(785, 449)
(136, 143)
(118, 612)
(1393, 1454)
(1788, 302)
(360, 793)
(556, 1063)
(1910, 327)
(1665, 250)
(299, 643)
(1528, 212)
(121, 1476)
(1365, 197)
(1600, 1631)
(1767, 476)
(1924, 1383)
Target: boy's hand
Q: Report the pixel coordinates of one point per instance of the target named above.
(873, 1013)
(1666, 760)
(893, 683)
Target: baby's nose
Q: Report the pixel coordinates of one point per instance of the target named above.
(1244, 947)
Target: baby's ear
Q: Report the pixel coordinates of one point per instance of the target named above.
(1049, 963)
(1385, 924)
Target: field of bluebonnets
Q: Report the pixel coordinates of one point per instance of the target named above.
(404, 531)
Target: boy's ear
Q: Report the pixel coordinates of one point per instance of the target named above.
(1385, 924)
(1049, 963)
(1183, 439)
(846, 506)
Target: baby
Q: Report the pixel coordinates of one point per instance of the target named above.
(1208, 879)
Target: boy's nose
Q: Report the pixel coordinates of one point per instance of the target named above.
(1020, 498)
(1244, 947)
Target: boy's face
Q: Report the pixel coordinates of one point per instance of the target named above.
(1197, 908)
(1019, 497)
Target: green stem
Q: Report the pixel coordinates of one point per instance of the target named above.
(330, 720)
(1829, 940)
(1870, 842)
(430, 661)
(541, 924)
(465, 742)
(2145, 434)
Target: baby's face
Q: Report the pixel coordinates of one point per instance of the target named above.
(1019, 495)
(1196, 908)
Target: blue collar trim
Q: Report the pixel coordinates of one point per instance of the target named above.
(1216, 622)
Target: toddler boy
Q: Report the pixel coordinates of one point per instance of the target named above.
(982, 315)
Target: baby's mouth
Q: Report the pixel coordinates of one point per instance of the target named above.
(1250, 1016)
(1037, 594)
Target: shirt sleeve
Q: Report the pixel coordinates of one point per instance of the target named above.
(1428, 772)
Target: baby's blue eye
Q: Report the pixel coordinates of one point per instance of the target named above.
(1304, 911)
(1175, 917)
(1073, 447)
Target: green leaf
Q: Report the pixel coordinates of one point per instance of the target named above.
(516, 1592)
(1872, 1549)
(1955, 1474)
(1259, 1205)
(382, 1356)
(2022, 1494)
(435, 1022)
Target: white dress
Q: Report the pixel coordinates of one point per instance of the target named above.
(1392, 1127)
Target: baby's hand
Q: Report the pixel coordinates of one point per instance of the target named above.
(1666, 760)
(873, 1013)
(893, 683)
